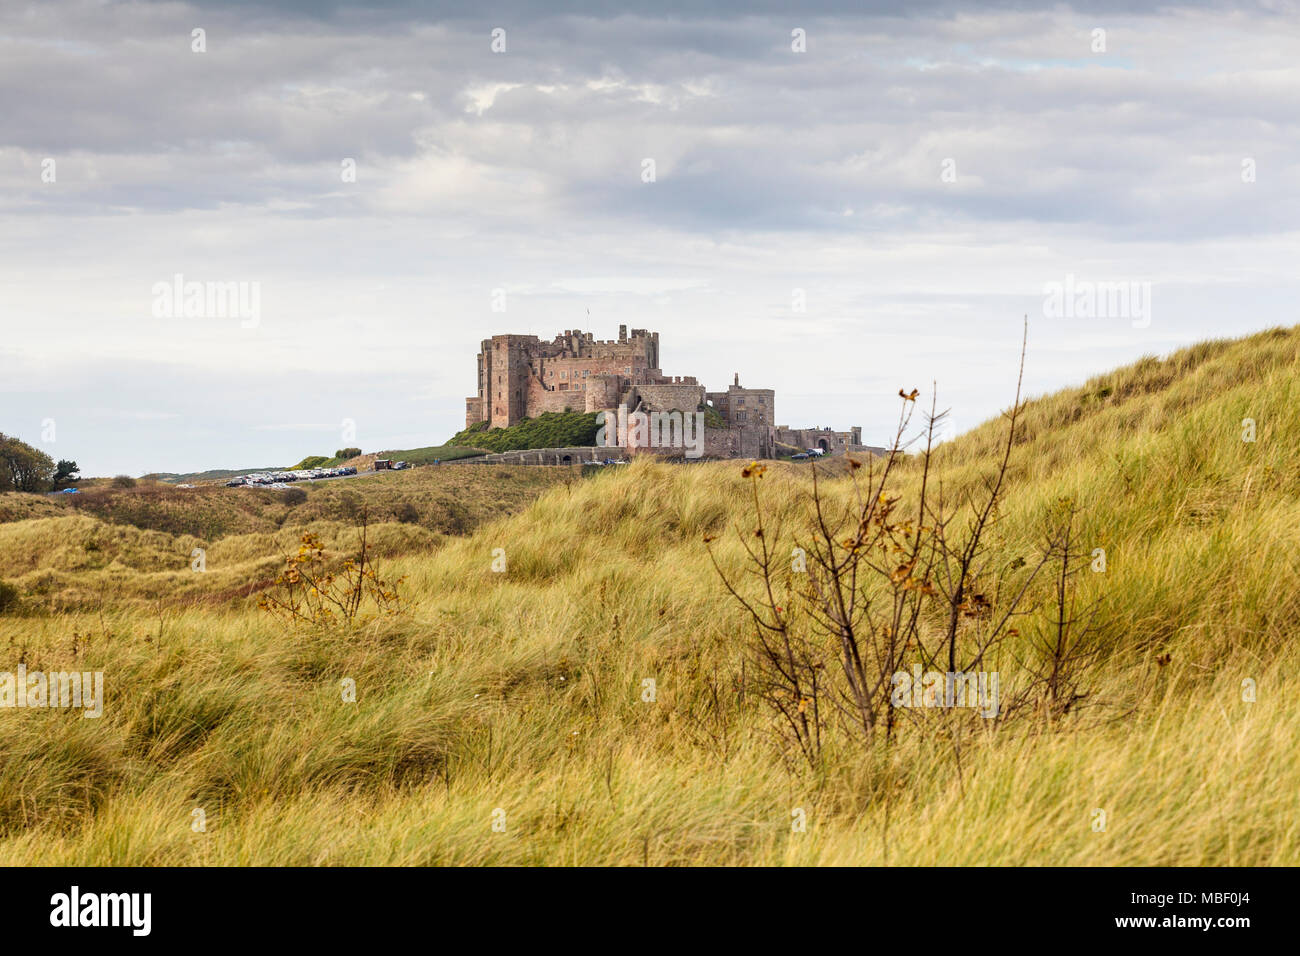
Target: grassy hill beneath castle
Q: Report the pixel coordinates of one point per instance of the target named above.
(547, 430)
(517, 680)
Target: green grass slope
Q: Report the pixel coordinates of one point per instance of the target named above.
(547, 430)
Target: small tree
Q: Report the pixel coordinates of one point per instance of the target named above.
(346, 453)
(65, 471)
(24, 468)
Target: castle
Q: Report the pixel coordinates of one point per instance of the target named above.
(521, 376)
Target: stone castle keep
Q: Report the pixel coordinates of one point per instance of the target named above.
(521, 376)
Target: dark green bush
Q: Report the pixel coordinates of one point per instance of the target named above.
(293, 496)
(547, 430)
(8, 597)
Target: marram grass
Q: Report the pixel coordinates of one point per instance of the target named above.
(502, 719)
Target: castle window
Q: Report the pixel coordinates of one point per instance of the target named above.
(740, 403)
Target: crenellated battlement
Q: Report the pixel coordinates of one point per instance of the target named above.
(522, 376)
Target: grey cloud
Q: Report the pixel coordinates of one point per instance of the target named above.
(822, 165)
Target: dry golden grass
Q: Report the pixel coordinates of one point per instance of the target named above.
(522, 691)
(445, 499)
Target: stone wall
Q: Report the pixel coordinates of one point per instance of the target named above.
(743, 441)
(545, 456)
(663, 398)
(832, 442)
(603, 393)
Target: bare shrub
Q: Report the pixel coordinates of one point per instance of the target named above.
(897, 574)
(312, 590)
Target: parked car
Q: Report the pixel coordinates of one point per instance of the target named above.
(802, 456)
(282, 479)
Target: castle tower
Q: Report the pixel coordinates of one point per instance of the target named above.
(503, 375)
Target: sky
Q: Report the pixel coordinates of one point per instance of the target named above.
(834, 200)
